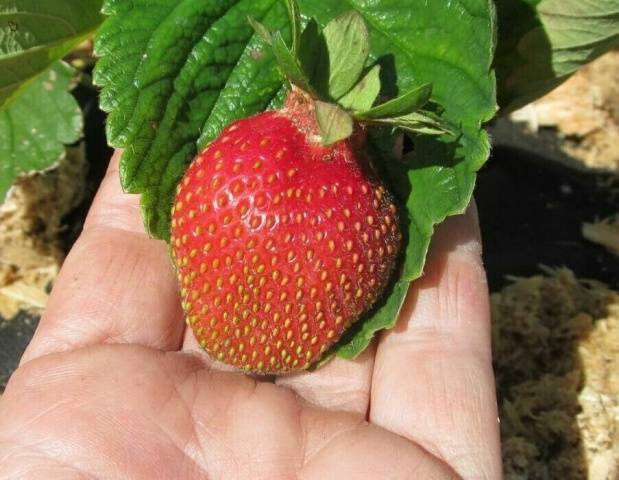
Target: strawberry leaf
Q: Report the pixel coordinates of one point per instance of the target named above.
(35, 34)
(286, 59)
(365, 93)
(176, 72)
(407, 103)
(288, 63)
(418, 123)
(348, 46)
(549, 42)
(312, 53)
(37, 125)
(335, 124)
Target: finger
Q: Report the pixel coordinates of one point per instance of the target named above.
(341, 385)
(433, 381)
(116, 285)
(366, 452)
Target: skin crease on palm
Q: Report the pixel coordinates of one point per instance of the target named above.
(111, 388)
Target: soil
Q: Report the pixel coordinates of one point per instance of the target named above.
(30, 231)
(556, 336)
(556, 350)
(532, 213)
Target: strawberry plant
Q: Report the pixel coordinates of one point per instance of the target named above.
(176, 89)
(283, 235)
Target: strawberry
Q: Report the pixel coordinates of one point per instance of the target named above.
(280, 243)
(282, 234)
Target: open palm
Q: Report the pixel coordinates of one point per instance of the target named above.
(112, 388)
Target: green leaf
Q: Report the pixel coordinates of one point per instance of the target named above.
(407, 103)
(436, 191)
(314, 57)
(36, 33)
(335, 124)
(288, 63)
(418, 123)
(261, 30)
(348, 49)
(171, 90)
(365, 93)
(543, 42)
(286, 59)
(36, 126)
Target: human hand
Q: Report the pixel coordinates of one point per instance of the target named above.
(112, 387)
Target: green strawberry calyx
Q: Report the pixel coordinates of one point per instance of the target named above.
(331, 66)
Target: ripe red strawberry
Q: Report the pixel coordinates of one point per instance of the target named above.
(280, 243)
